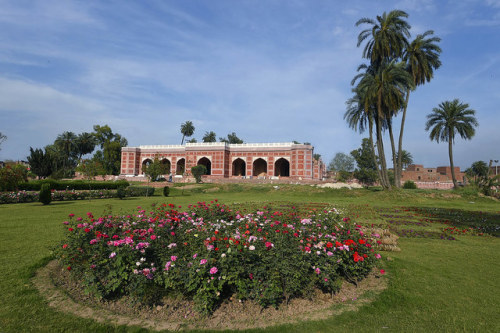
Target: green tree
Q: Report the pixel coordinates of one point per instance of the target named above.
(40, 163)
(210, 137)
(90, 169)
(155, 169)
(187, 130)
(366, 171)
(316, 157)
(406, 158)
(232, 138)
(421, 58)
(198, 171)
(111, 146)
(341, 162)
(448, 119)
(11, 176)
(85, 144)
(66, 144)
(193, 140)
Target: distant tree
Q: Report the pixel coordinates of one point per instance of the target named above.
(198, 171)
(210, 137)
(90, 169)
(448, 119)
(111, 146)
(316, 157)
(478, 173)
(2, 139)
(232, 138)
(155, 169)
(406, 159)
(193, 140)
(40, 163)
(342, 162)
(366, 172)
(11, 176)
(85, 144)
(187, 130)
(66, 144)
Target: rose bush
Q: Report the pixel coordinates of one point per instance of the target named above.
(210, 253)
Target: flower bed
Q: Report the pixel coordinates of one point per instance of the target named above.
(210, 253)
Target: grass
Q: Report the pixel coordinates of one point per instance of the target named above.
(434, 284)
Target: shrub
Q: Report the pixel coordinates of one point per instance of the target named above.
(166, 191)
(12, 176)
(198, 171)
(72, 185)
(121, 192)
(45, 194)
(410, 185)
(138, 191)
(210, 253)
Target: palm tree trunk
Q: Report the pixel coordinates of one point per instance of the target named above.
(182, 142)
(380, 145)
(394, 159)
(374, 156)
(399, 172)
(450, 152)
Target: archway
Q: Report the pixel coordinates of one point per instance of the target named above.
(206, 162)
(239, 167)
(145, 164)
(166, 164)
(282, 168)
(180, 167)
(259, 167)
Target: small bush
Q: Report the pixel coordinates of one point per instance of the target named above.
(166, 191)
(45, 194)
(139, 191)
(198, 171)
(409, 185)
(121, 192)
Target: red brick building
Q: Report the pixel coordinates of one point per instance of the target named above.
(223, 160)
(442, 174)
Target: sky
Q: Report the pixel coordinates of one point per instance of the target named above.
(270, 71)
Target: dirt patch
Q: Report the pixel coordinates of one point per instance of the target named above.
(64, 294)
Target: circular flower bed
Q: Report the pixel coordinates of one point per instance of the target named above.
(210, 253)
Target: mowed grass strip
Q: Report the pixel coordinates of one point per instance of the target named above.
(434, 284)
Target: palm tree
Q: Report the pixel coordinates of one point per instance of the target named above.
(85, 144)
(406, 158)
(421, 58)
(388, 36)
(187, 129)
(210, 137)
(447, 120)
(66, 144)
(383, 88)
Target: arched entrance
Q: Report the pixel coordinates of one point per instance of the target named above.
(259, 168)
(206, 162)
(239, 167)
(180, 167)
(166, 164)
(145, 164)
(282, 168)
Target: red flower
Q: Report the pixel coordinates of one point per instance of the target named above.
(68, 268)
(382, 272)
(70, 229)
(329, 245)
(65, 246)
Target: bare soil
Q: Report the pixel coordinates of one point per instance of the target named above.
(65, 294)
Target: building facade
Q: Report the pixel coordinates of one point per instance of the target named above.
(442, 174)
(223, 160)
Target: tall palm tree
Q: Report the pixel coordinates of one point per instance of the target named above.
(187, 129)
(421, 58)
(387, 36)
(85, 144)
(449, 119)
(384, 88)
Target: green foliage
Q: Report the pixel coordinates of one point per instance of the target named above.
(11, 176)
(210, 137)
(121, 192)
(198, 171)
(111, 145)
(364, 156)
(232, 138)
(166, 191)
(40, 163)
(409, 185)
(72, 185)
(155, 169)
(343, 176)
(90, 169)
(342, 162)
(45, 194)
(187, 130)
(140, 191)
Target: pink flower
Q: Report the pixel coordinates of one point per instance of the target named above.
(153, 237)
(317, 270)
(203, 261)
(382, 272)
(173, 258)
(269, 245)
(112, 255)
(213, 270)
(378, 256)
(71, 215)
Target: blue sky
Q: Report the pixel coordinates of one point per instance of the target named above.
(271, 71)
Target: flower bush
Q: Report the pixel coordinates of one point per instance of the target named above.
(210, 253)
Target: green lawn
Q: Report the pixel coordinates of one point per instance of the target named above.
(434, 284)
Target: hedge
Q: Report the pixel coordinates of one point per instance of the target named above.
(62, 185)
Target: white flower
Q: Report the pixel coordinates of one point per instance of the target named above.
(138, 263)
(251, 247)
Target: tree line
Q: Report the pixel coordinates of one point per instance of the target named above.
(65, 156)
